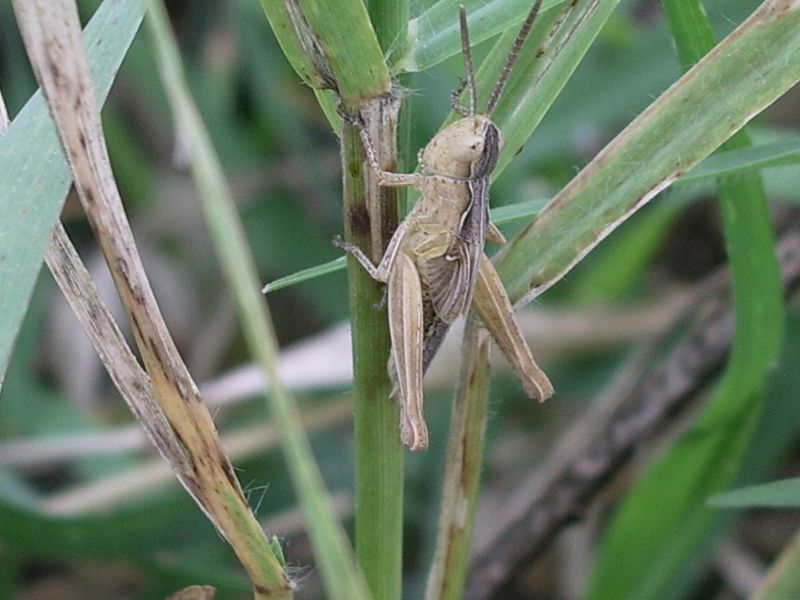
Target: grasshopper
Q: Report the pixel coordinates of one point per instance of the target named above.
(434, 264)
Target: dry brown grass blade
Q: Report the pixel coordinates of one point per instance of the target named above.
(51, 32)
(129, 378)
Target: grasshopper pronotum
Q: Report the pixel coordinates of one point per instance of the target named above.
(434, 264)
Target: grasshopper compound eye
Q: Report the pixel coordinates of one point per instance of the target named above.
(468, 148)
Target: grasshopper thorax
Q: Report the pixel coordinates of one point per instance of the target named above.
(466, 148)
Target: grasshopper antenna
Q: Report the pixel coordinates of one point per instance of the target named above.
(467, 52)
(502, 80)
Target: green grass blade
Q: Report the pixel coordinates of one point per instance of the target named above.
(36, 177)
(295, 42)
(691, 32)
(379, 456)
(345, 32)
(434, 35)
(784, 493)
(332, 266)
(683, 126)
(341, 575)
(786, 152)
(654, 534)
(321, 41)
(516, 212)
(557, 43)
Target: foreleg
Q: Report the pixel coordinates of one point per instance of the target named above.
(385, 178)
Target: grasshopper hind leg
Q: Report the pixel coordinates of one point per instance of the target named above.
(406, 329)
(494, 308)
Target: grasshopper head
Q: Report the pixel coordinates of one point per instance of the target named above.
(462, 146)
(467, 149)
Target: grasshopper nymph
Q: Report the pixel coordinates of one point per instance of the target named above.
(434, 264)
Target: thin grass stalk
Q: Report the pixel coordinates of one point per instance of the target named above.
(465, 446)
(342, 51)
(378, 452)
(340, 573)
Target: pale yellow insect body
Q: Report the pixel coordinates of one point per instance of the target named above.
(434, 264)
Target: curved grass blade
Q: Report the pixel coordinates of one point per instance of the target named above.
(683, 126)
(783, 493)
(669, 529)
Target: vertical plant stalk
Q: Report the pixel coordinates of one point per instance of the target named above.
(336, 48)
(463, 468)
(51, 32)
(378, 452)
(340, 573)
